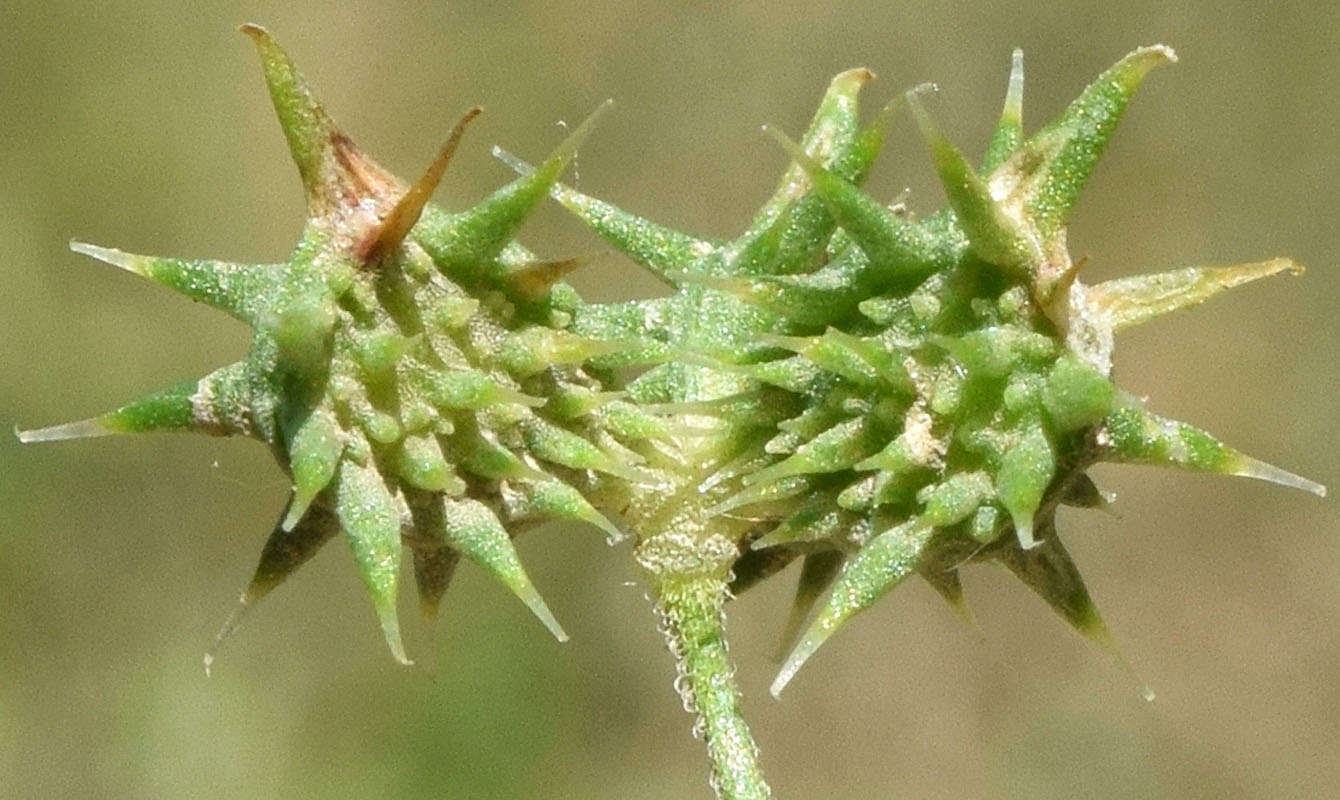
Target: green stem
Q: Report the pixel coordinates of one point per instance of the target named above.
(692, 612)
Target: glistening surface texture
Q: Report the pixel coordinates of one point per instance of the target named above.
(122, 558)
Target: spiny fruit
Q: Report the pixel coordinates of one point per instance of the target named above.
(402, 369)
(875, 393)
(929, 389)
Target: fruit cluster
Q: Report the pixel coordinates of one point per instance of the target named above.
(876, 393)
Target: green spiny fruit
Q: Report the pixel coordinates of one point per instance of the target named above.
(401, 361)
(875, 394)
(907, 395)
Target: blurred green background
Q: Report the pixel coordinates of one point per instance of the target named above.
(145, 126)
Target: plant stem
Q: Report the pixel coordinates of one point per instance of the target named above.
(693, 618)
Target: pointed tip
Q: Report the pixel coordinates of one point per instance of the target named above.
(817, 573)
(315, 449)
(900, 247)
(1014, 94)
(1109, 644)
(1021, 482)
(527, 594)
(930, 131)
(946, 583)
(235, 289)
(1089, 623)
(663, 251)
(817, 634)
(625, 471)
(1023, 529)
(569, 147)
(1136, 299)
(463, 240)
(559, 158)
(550, 498)
(1052, 168)
(807, 163)
(613, 535)
(1009, 129)
(875, 570)
(834, 137)
(963, 610)
(949, 162)
(1050, 572)
(398, 222)
(228, 628)
(535, 279)
(525, 591)
(507, 157)
(296, 509)
(390, 624)
(472, 528)
(994, 236)
(792, 149)
(284, 552)
(879, 126)
(108, 255)
(368, 513)
(1247, 467)
(1082, 492)
(434, 567)
(306, 126)
(1133, 435)
(170, 409)
(82, 429)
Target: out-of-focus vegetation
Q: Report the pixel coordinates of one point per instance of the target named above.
(146, 126)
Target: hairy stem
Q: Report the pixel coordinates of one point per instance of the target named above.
(694, 627)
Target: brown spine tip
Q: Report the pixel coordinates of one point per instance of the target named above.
(397, 224)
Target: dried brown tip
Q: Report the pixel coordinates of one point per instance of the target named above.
(398, 222)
